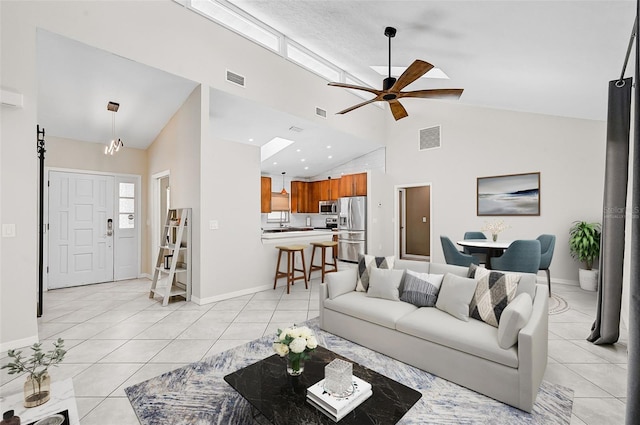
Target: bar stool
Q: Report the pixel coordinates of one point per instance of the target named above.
(323, 246)
(291, 267)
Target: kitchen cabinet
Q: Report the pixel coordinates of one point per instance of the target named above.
(300, 197)
(353, 185)
(265, 194)
(314, 197)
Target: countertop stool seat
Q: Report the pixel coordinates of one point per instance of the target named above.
(323, 246)
(291, 250)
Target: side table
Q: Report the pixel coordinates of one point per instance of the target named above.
(62, 398)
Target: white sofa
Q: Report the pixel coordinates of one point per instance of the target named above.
(464, 352)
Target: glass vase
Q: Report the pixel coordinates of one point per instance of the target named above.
(295, 366)
(37, 393)
(494, 237)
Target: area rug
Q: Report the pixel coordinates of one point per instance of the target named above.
(557, 304)
(197, 393)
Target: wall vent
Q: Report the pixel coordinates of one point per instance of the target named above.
(429, 138)
(234, 78)
(321, 112)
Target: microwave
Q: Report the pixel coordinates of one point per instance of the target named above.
(328, 207)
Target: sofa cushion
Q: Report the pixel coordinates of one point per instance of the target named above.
(341, 283)
(455, 295)
(365, 264)
(494, 291)
(375, 310)
(473, 337)
(421, 289)
(384, 283)
(514, 318)
(417, 266)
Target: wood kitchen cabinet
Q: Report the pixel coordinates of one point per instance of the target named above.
(265, 194)
(353, 185)
(300, 197)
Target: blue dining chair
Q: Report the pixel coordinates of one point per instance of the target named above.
(452, 255)
(480, 254)
(521, 256)
(547, 244)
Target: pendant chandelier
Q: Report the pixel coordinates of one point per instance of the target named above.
(283, 191)
(115, 144)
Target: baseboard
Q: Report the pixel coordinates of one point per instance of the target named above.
(18, 343)
(222, 297)
(145, 276)
(543, 279)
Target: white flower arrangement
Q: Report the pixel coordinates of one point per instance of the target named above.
(495, 227)
(295, 342)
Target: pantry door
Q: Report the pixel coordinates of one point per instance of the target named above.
(81, 229)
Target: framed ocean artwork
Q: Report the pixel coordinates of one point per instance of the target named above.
(512, 194)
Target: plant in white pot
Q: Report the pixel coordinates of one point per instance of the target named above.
(584, 244)
(38, 383)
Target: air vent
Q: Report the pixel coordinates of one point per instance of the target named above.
(295, 129)
(430, 138)
(234, 78)
(321, 112)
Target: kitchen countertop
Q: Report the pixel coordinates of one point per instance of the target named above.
(297, 234)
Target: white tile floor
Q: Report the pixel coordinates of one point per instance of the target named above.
(116, 336)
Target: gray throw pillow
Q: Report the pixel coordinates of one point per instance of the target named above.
(514, 318)
(421, 289)
(384, 283)
(368, 262)
(455, 295)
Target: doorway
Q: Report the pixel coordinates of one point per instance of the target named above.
(93, 228)
(414, 222)
(161, 202)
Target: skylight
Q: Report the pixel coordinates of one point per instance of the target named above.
(236, 22)
(396, 71)
(273, 146)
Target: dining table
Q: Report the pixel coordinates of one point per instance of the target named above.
(493, 248)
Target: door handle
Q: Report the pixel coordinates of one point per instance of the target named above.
(109, 227)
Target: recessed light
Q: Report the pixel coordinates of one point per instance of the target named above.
(302, 160)
(306, 168)
(297, 150)
(328, 146)
(251, 140)
(275, 163)
(330, 156)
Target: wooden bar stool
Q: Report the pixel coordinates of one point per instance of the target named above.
(323, 246)
(291, 266)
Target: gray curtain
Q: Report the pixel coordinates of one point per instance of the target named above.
(633, 373)
(606, 328)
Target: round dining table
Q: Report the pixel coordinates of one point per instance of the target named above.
(494, 249)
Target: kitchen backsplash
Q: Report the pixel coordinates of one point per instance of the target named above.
(298, 220)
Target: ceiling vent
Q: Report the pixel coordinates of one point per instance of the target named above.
(234, 78)
(321, 112)
(295, 129)
(429, 138)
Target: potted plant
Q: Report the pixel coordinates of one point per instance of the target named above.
(584, 244)
(38, 383)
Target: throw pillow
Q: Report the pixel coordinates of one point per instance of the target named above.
(455, 295)
(365, 264)
(514, 318)
(421, 289)
(341, 283)
(494, 291)
(384, 284)
(476, 271)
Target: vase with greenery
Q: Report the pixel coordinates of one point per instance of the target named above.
(37, 386)
(296, 344)
(584, 244)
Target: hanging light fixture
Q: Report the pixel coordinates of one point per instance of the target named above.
(283, 191)
(114, 145)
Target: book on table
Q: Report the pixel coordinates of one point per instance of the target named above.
(337, 407)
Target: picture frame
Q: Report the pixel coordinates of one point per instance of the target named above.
(508, 195)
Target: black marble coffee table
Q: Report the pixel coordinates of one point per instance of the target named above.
(281, 398)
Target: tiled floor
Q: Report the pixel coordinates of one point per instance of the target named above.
(116, 336)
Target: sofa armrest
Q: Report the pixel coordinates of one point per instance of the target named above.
(533, 341)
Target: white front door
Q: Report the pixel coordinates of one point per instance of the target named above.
(126, 228)
(81, 227)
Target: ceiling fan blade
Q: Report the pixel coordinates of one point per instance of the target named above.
(357, 106)
(397, 110)
(351, 86)
(433, 94)
(416, 70)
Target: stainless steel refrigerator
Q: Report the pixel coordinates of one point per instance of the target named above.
(352, 227)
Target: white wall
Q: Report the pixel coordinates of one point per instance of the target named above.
(480, 142)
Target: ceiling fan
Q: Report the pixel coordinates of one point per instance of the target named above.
(392, 88)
